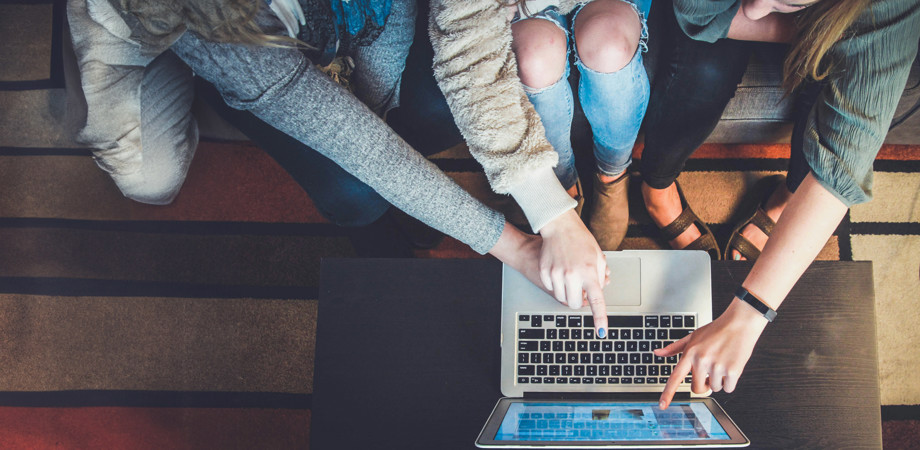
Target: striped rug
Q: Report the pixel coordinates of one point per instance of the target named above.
(192, 325)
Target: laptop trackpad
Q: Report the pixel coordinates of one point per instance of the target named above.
(625, 281)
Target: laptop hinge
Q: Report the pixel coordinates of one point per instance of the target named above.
(589, 395)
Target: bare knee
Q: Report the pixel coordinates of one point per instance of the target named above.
(607, 35)
(540, 48)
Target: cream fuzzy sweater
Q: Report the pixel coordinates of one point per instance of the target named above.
(477, 71)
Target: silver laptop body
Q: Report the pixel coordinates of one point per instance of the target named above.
(646, 283)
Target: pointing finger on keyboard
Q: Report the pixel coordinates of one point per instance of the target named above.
(680, 371)
(674, 348)
(598, 308)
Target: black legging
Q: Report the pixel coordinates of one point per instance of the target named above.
(695, 81)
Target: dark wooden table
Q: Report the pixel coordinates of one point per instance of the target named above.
(407, 356)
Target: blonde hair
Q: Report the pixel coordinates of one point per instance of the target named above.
(820, 27)
(229, 21)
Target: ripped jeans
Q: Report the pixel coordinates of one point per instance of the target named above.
(614, 104)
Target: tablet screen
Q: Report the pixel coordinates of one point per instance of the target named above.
(600, 421)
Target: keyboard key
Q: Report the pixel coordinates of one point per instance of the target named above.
(536, 380)
(649, 335)
(645, 346)
(665, 322)
(647, 358)
(651, 380)
(552, 333)
(566, 370)
(524, 318)
(562, 380)
(591, 371)
(627, 371)
(587, 380)
(613, 380)
(579, 370)
(639, 380)
(600, 380)
(526, 369)
(576, 334)
(656, 345)
(589, 333)
(585, 358)
(651, 321)
(574, 380)
(672, 359)
(554, 370)
(607, 346)
(690, 321)
(677, 334)
(666, 370)
(677, 321)
(653, 370)
(622, 358)
(595, 346)
(632, 346)
(560, 358)
(523, 380)
(587, 321)
(661, 334)
(619, 346)
(572, 358)
(616, 370)
(542, 370)
(536, 321)
(574, 321)
(570, 346)
(625, 321)
(610, 358)
(626, 380)
(582, 346)
(597, 358)
(640, 370)
(659, 360)
(613, 334)
(564, 334)
(528, 346)
(523, 358)
(544, 346)
(549, 380)
(635, 358)
(547, 317)
(688, 379)
(603, 371)
(662, 380)
(535, 358)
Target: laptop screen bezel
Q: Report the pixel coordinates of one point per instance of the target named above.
(486, 437)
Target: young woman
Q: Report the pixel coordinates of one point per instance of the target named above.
(849, 60)
(608, 38)
(235, 45)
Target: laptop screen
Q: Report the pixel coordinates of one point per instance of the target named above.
(599, 421)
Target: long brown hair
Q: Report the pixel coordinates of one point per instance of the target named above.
(820, 27)
(231, 21)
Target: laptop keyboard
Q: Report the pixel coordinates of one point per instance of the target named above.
(562, 349)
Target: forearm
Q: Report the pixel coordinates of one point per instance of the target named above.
(806, 224)
(774, 27)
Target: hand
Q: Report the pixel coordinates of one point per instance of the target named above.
(715, 353)
(573, 267)
(290, 13)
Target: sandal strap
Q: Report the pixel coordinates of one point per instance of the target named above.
(763, 221)
(705, 242)
(679, 225)
(743, 246)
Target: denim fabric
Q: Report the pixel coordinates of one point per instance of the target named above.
(614, 104)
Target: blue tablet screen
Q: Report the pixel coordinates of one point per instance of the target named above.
(535, 421)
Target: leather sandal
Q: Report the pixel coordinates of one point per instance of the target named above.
(706, 241)
(755, 215)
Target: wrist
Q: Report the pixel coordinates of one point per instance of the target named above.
(561, 224)
(743, 314)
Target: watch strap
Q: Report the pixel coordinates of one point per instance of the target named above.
(755, 302)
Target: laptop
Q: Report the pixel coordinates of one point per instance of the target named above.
(565, 387)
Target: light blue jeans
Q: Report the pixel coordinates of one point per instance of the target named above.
(614, 104)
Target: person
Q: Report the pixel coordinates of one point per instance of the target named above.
(608, 38)
(848, 62)
(476, 54)
(239, 47)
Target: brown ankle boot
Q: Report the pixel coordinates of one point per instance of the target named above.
(579, 197)
(609, 212)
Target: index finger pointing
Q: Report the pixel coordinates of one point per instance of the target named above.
(598, 308)
(680, 371)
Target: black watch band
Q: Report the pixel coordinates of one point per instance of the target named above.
(758, 304)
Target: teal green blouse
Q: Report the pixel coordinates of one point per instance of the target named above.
(847, 126)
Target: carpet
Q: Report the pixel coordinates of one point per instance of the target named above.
(192, 325)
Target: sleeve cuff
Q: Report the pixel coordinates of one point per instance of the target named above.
(542, 198)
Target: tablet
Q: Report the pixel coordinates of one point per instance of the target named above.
(518, 423)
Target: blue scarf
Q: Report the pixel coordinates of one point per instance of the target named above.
(340, 26)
